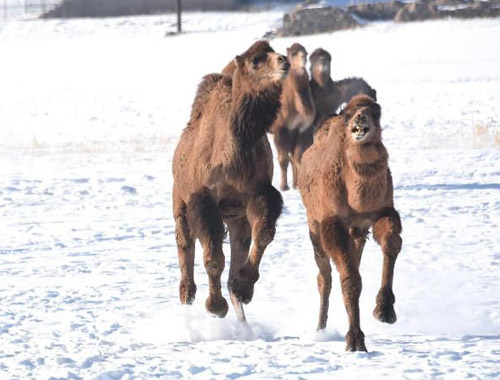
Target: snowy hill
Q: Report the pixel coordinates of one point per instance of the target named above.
(90, 112)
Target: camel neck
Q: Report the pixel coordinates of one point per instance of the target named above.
(322, 79)
(252, 114)
(367, 160)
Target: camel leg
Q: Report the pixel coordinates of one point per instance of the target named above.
(262, 212)
(185, 250)
(339, 246)
(295, 171)
(205, 221)
(303, 141)
(324, 279)
(386, 231)
(359, 237)
(283, 160)
(282, 141)
(240, 237)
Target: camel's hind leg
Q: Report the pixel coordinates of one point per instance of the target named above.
(324, 279)
(205, 221)
(240, 237)
(185, 250)
(262, 212)
(386, 231)
(339, 246)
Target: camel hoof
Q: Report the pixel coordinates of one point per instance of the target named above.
(355, 342)
(217, 305)
(385, 313)
(187, 292)
(284, 188)
(243, 285)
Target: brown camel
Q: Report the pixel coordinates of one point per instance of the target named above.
(292, 135)
(222, 171)
(329, 95)
(346, 187)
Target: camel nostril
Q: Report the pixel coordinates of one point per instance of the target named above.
(281, 59)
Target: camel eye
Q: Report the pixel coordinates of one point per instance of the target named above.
(256, 62)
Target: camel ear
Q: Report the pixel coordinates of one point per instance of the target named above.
(239, 61)
(287, 51)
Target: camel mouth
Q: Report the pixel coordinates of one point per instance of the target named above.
(283, 71)
(359, 133)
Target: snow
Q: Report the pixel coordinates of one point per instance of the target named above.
(90, 112)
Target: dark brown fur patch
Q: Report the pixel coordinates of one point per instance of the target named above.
(268, 202)
(254, 115)
(334, 235)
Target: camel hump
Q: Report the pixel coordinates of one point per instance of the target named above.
(353, 86)
(206, 86)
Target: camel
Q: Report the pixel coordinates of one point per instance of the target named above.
(329, 95)
(222, 170)
(346, 187)
(291, 128)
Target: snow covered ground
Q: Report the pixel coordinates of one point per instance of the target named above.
(90, 111)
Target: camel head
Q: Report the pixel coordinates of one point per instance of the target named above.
(260, 66)
(362, 117)
(320, 62)
(297, 56)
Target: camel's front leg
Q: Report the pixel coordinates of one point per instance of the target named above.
(339, 245)
(324, 279)
(206, 224)
(262, 212)
(386, 231)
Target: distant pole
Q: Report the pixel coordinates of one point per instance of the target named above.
(178, 8)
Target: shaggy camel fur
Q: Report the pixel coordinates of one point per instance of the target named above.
(222, 171)
(329, 95)
(346, 187)
(292, 135)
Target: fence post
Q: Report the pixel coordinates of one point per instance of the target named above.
(178, 8)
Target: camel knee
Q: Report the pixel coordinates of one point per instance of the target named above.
(386, 232)
(214, 262)
(265, 208)
(324, 282)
